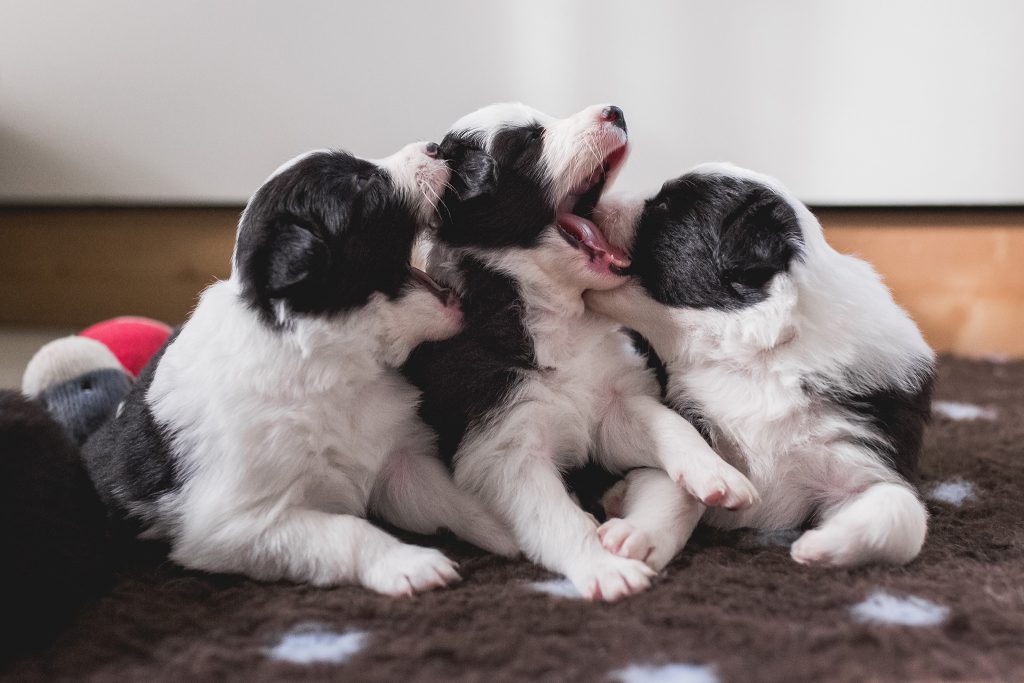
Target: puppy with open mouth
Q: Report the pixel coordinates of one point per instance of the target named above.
(535, 384)
(276, 420)
(792, 359)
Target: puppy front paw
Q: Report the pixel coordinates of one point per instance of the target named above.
(625, 539)
(719, 486)
(609, 577)
(407, 569)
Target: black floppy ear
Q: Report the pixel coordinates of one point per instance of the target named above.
(474, 174)
(370, 182)
(296, 257)
(759, 239)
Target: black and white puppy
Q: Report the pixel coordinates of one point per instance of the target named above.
(277, 419)
(535, 384)
(792, 359)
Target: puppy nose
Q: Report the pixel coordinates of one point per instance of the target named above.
(614, 116)
(431, 149)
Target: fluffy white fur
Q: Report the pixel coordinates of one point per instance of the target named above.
(594, 398)
(286, 439)
(831, 311)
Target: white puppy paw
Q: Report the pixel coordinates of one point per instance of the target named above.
(407, 569)
(609, 577)
(885, 523)
(849, 546)
(623, 538)
(719, 486)
(827, 549)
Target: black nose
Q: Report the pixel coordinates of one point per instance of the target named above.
(614, 116)
(431, 149)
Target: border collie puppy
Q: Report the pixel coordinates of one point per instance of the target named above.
(266, 430)
(791, 358)
(536, 385)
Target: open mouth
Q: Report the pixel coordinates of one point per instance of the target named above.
(575, 211)
(444, 295)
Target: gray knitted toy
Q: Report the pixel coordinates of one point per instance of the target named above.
(82, 404)
(79, 381)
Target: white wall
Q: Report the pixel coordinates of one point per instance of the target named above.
(848, 101)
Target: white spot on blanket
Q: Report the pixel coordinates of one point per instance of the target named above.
(964, 411)
(667, 673)
(310, 643)
(561, 588)
(954, 492)
(883, 608)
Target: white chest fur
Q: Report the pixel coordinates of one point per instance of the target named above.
(266, 418)
(586, 365)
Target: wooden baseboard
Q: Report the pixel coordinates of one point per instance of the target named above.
(76, 266)
(960, 272)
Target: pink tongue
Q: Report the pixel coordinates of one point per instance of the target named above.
(587, 233)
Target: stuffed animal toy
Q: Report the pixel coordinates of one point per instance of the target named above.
(133, 340)
(63, 359)
(83, 403)
(61, 544)
(82, 378)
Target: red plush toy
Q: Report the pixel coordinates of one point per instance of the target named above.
(82, 378)
(133, 340)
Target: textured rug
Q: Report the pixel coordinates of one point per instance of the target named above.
(732, 607)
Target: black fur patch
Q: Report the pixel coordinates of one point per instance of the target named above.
(644, 348)
(323, 235)
(496, 199)
(899, 416)
(128, 458)
(465, 377)
(694, 413)
(713, 241)
(589, 483)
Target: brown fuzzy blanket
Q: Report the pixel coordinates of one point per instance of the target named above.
(732, 607)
